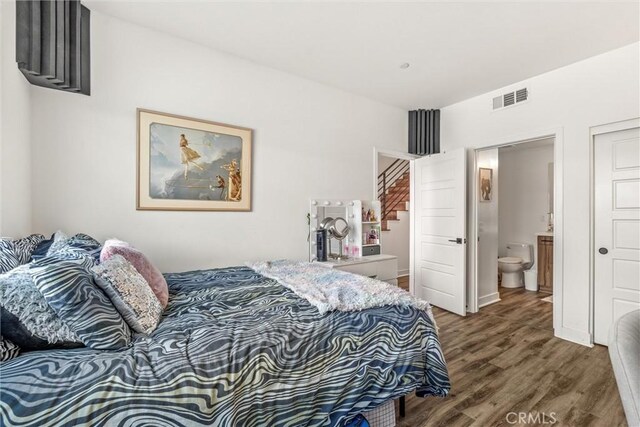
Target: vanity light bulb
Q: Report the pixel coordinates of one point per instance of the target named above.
(327, 203)
(350, 203)
(313, 202)
(339, 203)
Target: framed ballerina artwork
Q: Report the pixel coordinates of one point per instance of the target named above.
(192, 164)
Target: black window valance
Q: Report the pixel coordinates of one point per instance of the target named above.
(52, 44)
(424, 132)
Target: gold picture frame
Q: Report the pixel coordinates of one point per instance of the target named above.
(187, 164)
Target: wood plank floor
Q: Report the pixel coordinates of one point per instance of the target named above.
(505, 359)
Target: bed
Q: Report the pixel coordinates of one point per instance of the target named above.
(233, 348)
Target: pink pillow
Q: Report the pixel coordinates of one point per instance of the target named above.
(147, 270)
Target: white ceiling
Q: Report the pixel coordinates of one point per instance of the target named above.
(456, 50)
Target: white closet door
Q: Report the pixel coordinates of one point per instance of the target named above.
(617, 228)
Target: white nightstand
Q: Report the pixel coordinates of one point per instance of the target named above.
(381, 267)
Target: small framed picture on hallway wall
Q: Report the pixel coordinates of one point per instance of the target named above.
(486, 184)
(191, 164)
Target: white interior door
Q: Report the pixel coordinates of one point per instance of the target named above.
(438, 236)
(617, 228)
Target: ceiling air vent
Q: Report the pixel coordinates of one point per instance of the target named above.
(510, 98)
(522, 95)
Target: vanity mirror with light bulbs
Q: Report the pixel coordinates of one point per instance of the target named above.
(352, 233)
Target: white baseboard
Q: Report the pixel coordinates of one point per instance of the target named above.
(488, 299)
(403, 272)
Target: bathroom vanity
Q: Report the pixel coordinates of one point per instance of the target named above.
(545, 262)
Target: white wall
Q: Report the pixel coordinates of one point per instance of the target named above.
(488, 231)
(599, 90)
(396, 241)
(309, 141)
(524, 195)
(15, 147)
(384, 162)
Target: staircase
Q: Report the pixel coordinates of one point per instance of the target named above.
(393, 191)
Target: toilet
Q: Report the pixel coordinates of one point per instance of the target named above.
(519, 258)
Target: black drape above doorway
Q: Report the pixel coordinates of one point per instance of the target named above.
(424, 132)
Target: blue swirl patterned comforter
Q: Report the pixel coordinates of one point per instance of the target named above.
(233, 349)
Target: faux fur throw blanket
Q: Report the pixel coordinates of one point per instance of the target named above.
(330, 289)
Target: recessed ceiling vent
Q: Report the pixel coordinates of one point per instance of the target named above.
(510, 98)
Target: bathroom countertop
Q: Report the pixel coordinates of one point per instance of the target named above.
(545, 233)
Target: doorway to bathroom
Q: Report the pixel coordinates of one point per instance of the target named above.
(513, 225)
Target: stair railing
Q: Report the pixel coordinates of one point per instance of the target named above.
(386, 180)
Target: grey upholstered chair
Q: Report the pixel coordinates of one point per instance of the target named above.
(624, 350)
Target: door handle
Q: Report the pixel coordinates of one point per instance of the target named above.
(603, 251)
(458, 240)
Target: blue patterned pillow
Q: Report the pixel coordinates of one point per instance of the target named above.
(86, 242)
(8, 257)
(59, 241)
(40, 251)
(8, 350)
(71, 292)
(26, 318)
(69, 253)
(24, 247)
(80, 241)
